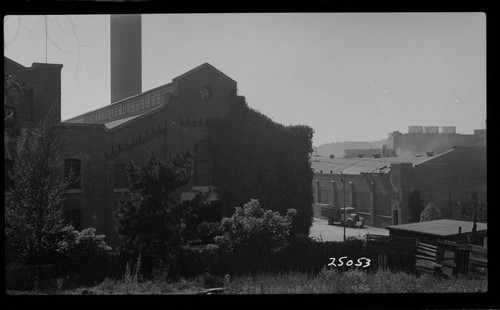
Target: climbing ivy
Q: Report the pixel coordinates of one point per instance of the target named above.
(256, 158)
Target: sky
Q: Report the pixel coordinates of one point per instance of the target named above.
(349, 76)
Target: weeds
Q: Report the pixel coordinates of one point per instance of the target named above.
(131, 277)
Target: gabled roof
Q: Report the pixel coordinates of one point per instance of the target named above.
(204, 66)
(104, 115)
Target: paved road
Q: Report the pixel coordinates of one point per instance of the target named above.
(321, 230)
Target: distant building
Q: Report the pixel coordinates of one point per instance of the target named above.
(379, 188)
(353, 153)
(430, 139)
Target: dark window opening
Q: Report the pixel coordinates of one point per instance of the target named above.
(203, 164)
(121, 178)
(72, 168)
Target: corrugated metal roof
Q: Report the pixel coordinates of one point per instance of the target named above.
(441, 228)
(361, 165)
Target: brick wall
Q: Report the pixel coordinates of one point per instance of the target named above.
(445, 178)
(174, 128)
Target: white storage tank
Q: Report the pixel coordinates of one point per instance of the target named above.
(415, 129)
(431, 129)
(448, 129)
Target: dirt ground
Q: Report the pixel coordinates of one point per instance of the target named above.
(321, 230)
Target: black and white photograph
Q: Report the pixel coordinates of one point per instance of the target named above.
(245, 153)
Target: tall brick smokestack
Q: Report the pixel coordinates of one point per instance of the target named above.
(126, 56)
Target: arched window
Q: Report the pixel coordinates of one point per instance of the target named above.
(121, 178)
(73, 165)
(203, 163)
(73, 217)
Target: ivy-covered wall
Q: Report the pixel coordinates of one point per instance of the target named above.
(256, 158)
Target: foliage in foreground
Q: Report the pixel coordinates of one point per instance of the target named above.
(250, 238)
(326, 282)
(149, 221)
(84, 257)
(33, 215)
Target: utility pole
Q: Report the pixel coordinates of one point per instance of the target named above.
(342, 217)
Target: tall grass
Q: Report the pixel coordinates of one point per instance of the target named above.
(328, 281)
(352, 281)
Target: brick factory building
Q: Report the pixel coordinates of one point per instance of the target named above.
(162, 121)
(379, 188)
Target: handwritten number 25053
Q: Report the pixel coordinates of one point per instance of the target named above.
(350, 262)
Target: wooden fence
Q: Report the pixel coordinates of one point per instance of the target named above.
(392, 252)
(462, 259)
(425, 258)
(444, 257)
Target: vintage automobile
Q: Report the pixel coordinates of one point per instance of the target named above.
(336, 215)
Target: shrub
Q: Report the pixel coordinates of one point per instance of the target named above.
(250, 238)
(207, 231)
(84, 257)
(430, 213)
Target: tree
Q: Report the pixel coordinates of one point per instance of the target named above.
(149, 221)
(33, 208)
(430, 213)
(416, 205)
(475, 206)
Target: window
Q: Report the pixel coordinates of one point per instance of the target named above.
(121, 178)
(382, 204)
(326, 195)
(203, 164)
(72, 168)
(73, 217)
(363, 202)
(8, 181)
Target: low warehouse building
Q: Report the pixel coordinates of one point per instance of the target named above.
(380, 188)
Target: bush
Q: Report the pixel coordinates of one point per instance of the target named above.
(430, 213)
(84, 257)
(207, 231)
(250, 238)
